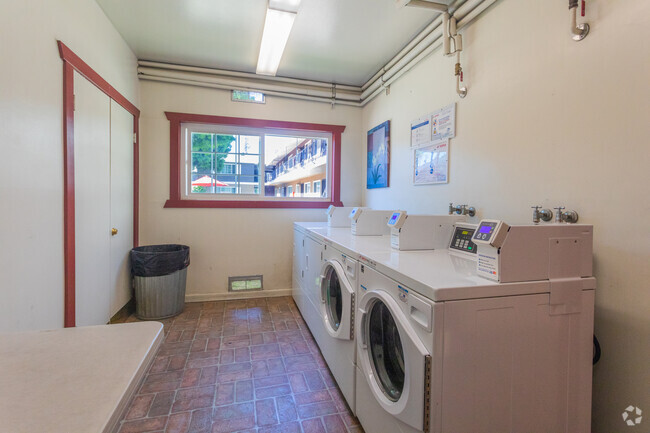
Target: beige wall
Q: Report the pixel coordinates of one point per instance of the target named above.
(230, 242)
(552, 122)
(31, 169)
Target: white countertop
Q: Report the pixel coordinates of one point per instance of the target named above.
(73, 380)
(436, 274)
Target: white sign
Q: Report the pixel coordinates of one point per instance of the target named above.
(421, 131)
(431, 164)
(443, 123)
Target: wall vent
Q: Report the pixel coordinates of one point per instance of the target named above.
(245, 283)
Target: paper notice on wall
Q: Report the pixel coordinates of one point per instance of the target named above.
(421, 131)
(443, 123)
(431, 164)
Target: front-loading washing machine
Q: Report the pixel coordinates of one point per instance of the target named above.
(337, 298)
(444, 350)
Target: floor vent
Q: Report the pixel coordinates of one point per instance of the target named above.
(245, 283)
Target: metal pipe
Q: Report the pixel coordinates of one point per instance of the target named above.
(466, 9)
(446, 49)
(258, 84)
(170, 66)
(578, 31)
(273, 93)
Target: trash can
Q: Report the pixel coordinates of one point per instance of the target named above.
(159, 274)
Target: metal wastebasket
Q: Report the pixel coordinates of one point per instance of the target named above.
(159, 274)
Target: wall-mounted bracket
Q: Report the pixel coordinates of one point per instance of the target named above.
(440, 7)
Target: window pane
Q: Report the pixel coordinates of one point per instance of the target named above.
(202, 163)
(202, 142)
(249, 144)
(292, 162)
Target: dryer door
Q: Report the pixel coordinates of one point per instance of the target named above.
(337, 301)
(393, 360)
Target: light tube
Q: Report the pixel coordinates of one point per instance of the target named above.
(276, 33)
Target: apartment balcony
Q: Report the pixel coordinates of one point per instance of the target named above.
(308, 168)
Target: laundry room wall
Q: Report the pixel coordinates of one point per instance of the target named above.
(231, 242)
(31, 136)
(552, 122)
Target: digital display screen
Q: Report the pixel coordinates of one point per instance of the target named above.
(465, 232)
(486, 229)
(353, 212)
(393, 218)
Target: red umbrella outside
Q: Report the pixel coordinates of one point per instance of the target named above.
(207, 181)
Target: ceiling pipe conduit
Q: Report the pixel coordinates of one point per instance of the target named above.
(223, 72)
(462, 14)
(260, 85)
(272, 93)
(467, 18)
(419, 48)
(416, 40)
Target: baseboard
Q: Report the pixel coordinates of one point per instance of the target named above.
(203, 297)
(124, 312)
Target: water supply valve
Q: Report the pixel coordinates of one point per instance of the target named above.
(462, 209)
(569, 217)
(540, 214)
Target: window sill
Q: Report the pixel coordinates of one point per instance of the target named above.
(250, 204)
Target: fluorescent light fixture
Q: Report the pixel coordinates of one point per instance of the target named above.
(284, 5)
(276, 32)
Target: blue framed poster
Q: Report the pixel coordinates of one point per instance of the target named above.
(379, 156)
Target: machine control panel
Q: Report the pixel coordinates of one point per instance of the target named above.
(462, 240)
(356, 212)
(491, 232)
(397, 219)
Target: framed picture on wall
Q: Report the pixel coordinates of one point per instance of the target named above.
(431, 164)
(379, 156)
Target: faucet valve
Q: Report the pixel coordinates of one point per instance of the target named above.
(540, 214)
(558, 214)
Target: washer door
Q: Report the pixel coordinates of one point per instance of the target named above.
(393, 359)
(337, 301)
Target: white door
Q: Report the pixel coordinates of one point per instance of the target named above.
(92, 203)
(121, 206)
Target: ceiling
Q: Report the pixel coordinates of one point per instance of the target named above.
(337, 41)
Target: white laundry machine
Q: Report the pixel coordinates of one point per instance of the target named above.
(338, 291)
(444, 350)
(306, 264)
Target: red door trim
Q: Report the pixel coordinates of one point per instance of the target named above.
(71, 63)
(175, 199)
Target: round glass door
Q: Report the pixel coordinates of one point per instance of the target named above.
(333, 297)
(386, 350)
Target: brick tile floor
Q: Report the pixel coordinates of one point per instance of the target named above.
(238, 366)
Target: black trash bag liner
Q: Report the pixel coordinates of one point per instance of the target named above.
(159, 260)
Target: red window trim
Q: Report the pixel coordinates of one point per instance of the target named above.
(175, 198)
(72, 63)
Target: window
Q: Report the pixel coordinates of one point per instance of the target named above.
(232, 162)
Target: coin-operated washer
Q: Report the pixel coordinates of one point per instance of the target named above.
(506, 347)
(421, 232)
(339, 216)
(369, 222)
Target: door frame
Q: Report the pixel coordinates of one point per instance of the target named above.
(72, 63)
